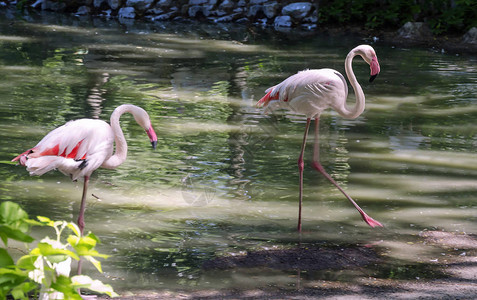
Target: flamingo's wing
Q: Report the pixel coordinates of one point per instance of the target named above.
(326, 87)
(280, 91)
(76, 148)
(308, 92)
(320, 83)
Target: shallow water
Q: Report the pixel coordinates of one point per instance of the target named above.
(223, 179)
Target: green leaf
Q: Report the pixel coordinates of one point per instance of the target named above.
(14, 234)
(10, 212)
(94, 285)
(95, 263)
(45, 220)
(5, 258)
(88, 241)
(83, 251)
(27, 262)
(85, 245)
(74, 228)
(48, 250)
(33, 222)
(21, 291)
(35, 251)
(57, 258)
(18, 293)
(64, 285)
(11, 275)
(93, 237)
(4, 238)
(73, 240)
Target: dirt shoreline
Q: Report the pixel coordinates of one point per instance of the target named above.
(456, 276)
(365, 288)
(376, 289)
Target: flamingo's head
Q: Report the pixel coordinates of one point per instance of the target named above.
(369, 55)
(142, 118)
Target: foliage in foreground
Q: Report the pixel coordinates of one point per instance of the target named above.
(45, 269)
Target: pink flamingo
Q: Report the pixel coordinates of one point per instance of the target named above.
(79, 147)
(310, 92)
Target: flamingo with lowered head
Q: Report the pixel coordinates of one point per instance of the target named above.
(310, 92)
(81, 146)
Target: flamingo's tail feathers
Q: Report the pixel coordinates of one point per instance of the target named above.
(267, 98)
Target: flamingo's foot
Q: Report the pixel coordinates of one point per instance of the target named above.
(370, 221)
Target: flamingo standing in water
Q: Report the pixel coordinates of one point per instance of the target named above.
(310, 92)
(79, 147)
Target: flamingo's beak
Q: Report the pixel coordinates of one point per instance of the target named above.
(375, 69)
(152, 137)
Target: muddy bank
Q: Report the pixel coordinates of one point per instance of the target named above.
(453, 276)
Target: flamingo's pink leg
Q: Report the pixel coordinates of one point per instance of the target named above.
(81, 215)
(317, 166)
(83, 205)
(300, 168)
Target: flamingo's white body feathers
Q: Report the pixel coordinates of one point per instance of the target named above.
(76, 149)
(300, 92)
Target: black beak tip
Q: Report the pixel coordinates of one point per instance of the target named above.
(154, 144)
(371, 79)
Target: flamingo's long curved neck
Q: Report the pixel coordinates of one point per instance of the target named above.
(358, 108)
(121, 152)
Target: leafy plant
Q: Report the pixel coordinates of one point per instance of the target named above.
(14, 224)
(45, 269)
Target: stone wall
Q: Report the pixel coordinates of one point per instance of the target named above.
(284, 14)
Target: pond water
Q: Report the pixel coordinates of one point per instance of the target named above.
(223, 180)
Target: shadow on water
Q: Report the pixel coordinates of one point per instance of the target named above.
(215, 205)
